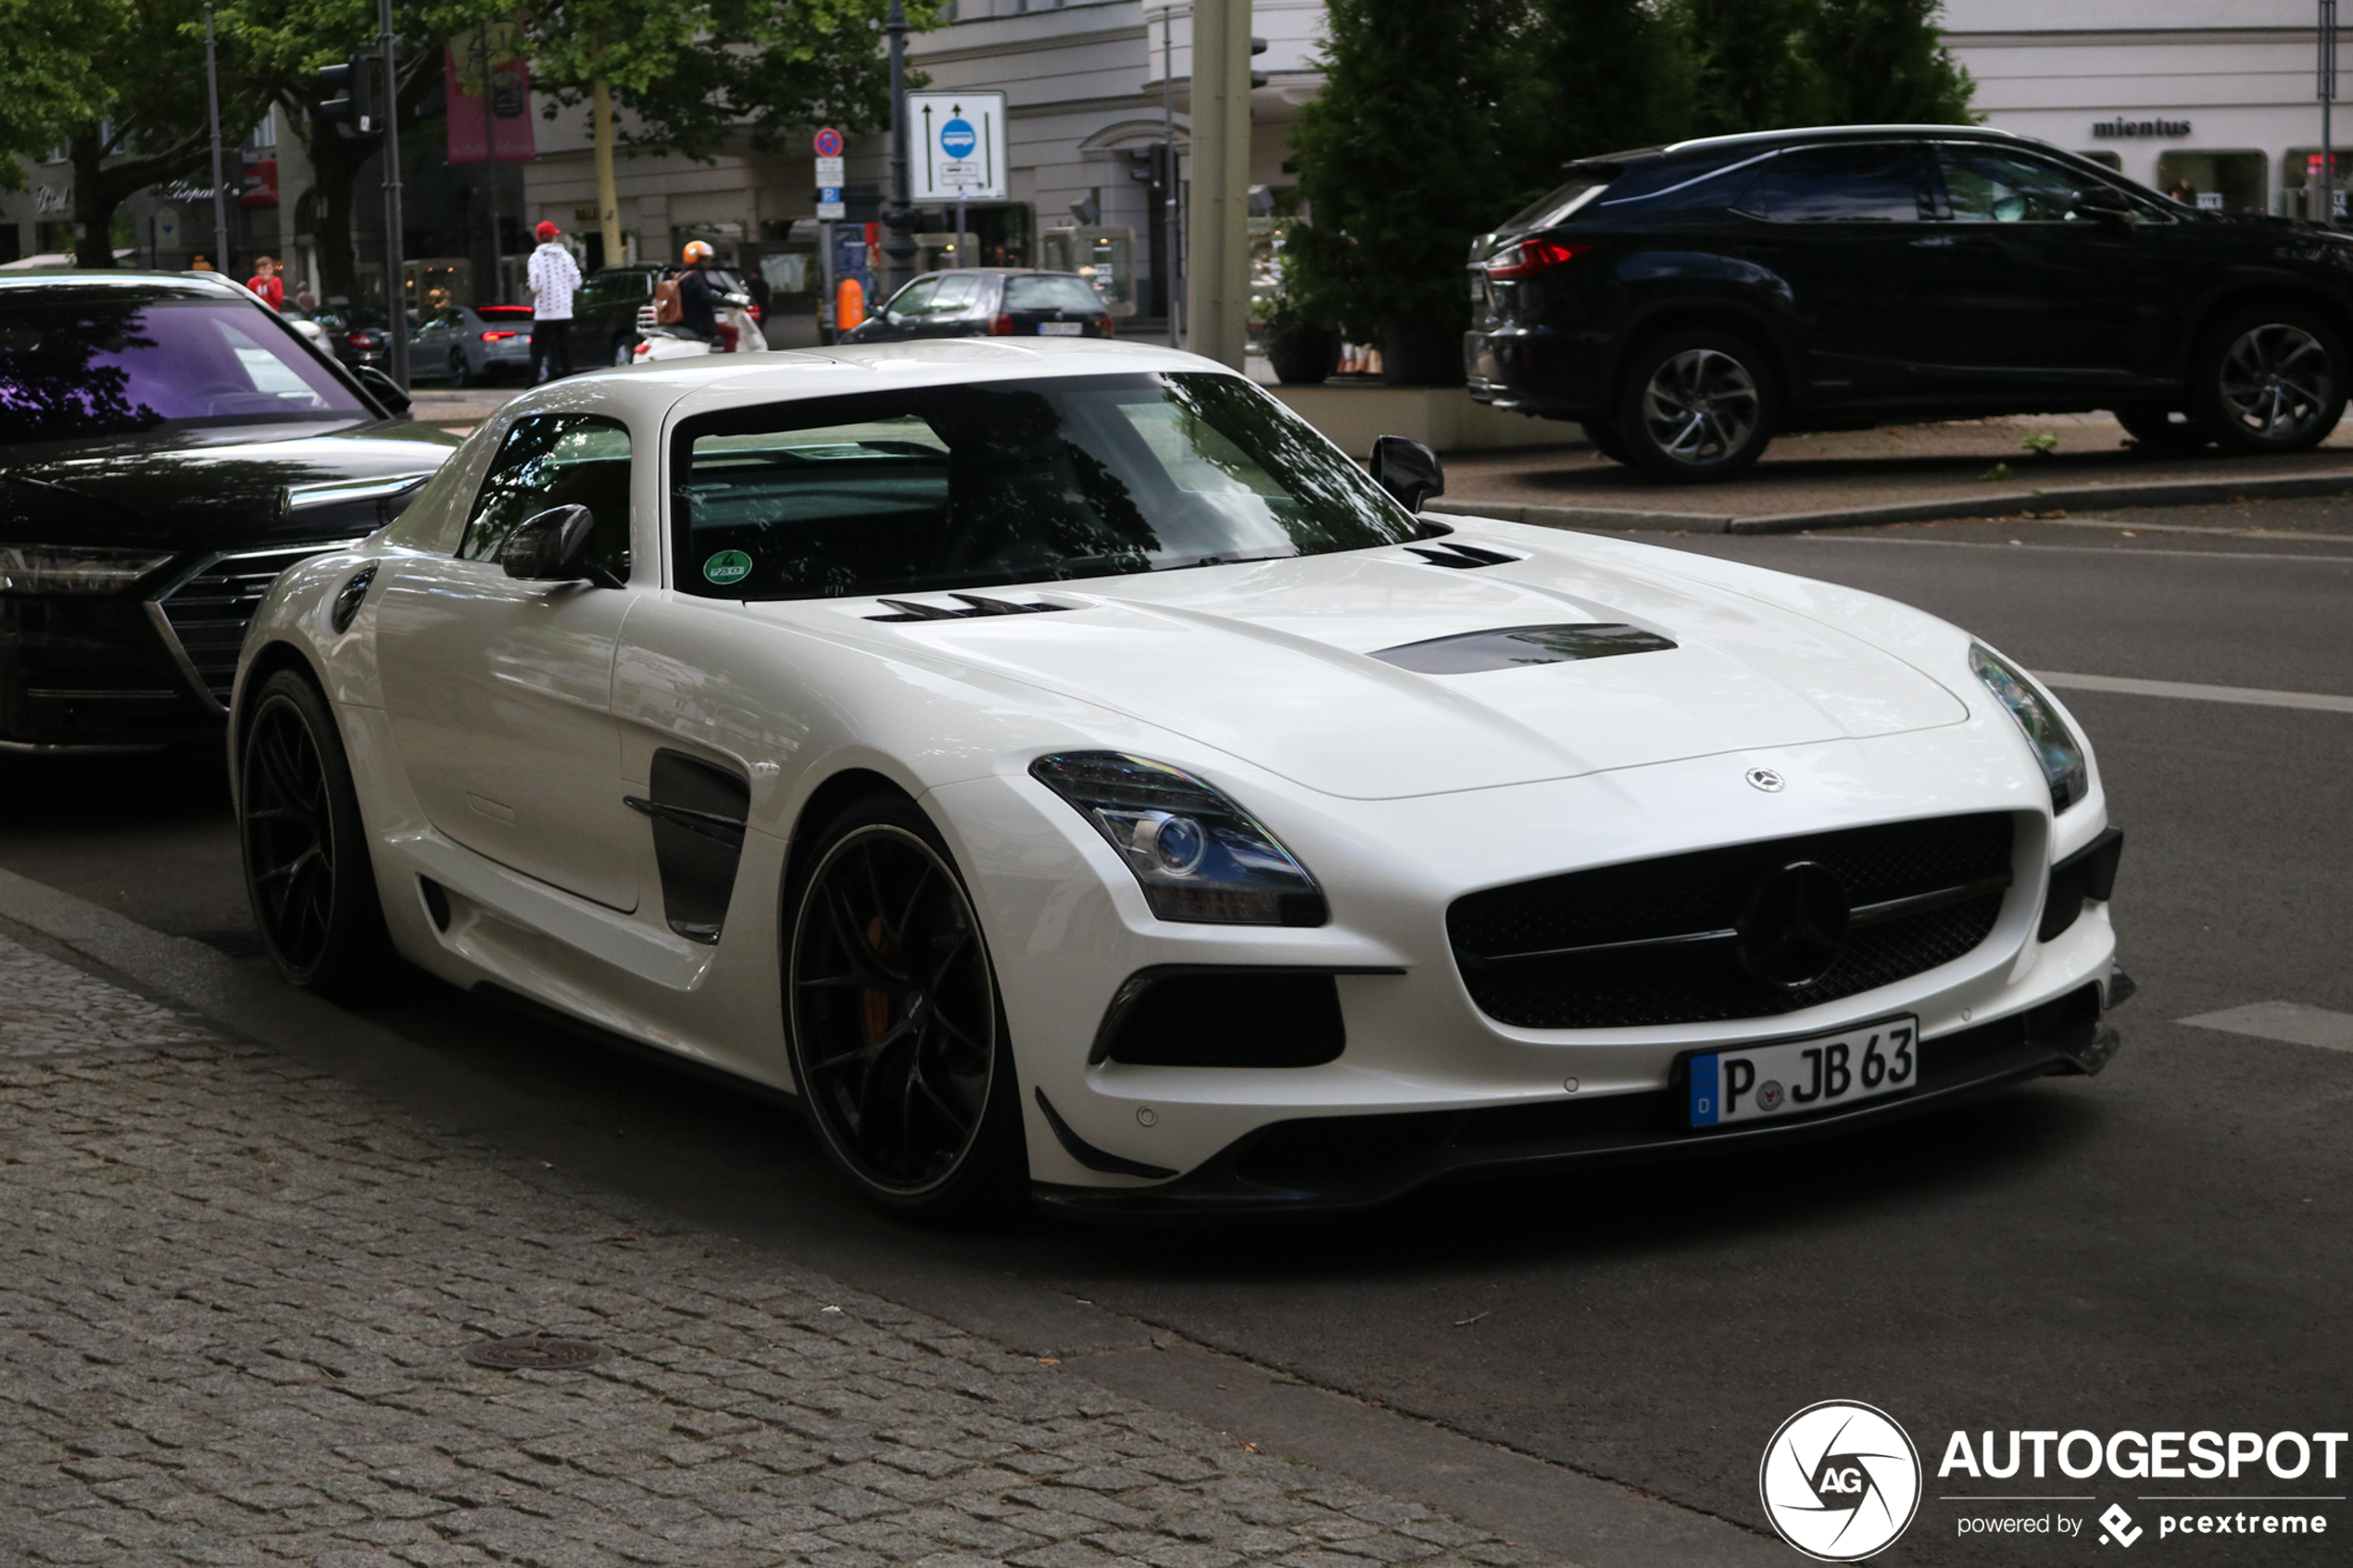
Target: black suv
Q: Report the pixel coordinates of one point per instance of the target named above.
(1688, 302)
(988, 302)
(604, 313)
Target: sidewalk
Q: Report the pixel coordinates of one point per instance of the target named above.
(239, 1291)
(1966, 467)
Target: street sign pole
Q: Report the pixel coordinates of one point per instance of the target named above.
(2328, 93)
(901, 218)
(490, 159)
(395, 283)
(1172, 286)
(212, 108)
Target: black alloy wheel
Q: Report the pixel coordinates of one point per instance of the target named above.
(306, 854)
(2269, 379)
(461, 372)
(624, 351)
(2161, 430)
(1697, 406)
(897, 1040)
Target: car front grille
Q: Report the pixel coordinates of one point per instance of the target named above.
(206, 617)
(1719, 935)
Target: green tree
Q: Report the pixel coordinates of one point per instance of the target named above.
(1753, 64)
(1618, 74)
(1881, 62)
(1427, 112)
(49, 85)
(690, 72)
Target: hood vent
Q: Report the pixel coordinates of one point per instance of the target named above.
(1467, 653)
(915, 610)
(1463, 557)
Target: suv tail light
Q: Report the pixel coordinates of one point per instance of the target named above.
(1103, 322)
(1531, 256)
(1002, 326)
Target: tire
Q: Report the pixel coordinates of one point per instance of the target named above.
(1603, 436)
(897, 1035)
(2157, 430)
(461, 372)
(2268, 379)
(1697, 406)
(304, 847)
(624, 351)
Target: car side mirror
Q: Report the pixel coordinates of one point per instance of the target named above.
(1408, 471)
(2105, 203)
(552, 547)
(385, 390)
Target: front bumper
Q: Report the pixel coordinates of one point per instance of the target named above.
(1327, 1164)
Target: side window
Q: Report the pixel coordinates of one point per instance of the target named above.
(956, 295)
(556, 460)
(1877, 183)
(909, 302)
(1987, 185)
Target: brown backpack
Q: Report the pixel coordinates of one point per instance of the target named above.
(668, 312)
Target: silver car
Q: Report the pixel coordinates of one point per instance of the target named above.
(469, 344)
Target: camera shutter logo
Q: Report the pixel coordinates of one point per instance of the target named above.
(1840, 1481)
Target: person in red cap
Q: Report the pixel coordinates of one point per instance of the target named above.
(554, 276)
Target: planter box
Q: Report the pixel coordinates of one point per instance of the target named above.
(1442, 417)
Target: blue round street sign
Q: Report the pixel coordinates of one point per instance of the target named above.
(957, 138)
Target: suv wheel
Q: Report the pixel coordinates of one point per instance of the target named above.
(624, 351)
(2269, 380)
(1697, 406)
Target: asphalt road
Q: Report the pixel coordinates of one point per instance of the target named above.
(2164, 1248)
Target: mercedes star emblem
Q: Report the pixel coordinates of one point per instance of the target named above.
(1766, 780)
(1794, 927)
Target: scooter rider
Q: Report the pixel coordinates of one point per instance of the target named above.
(700, 298)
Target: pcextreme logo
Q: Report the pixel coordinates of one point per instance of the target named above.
(1840, 1481)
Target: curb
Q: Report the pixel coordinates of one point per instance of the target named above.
(2006, 503)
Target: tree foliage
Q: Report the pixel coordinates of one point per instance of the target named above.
(49, 83)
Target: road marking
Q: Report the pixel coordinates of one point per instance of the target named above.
(2292, 1021)
(1843, 538)
(2135, 527)
(2253, 697)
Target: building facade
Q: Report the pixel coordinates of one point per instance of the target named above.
(2214, 100)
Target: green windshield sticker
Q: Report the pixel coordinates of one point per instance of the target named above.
(727, 565)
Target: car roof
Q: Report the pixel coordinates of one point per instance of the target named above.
(144, 288)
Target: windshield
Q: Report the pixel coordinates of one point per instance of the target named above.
(1048, 292)
(82, 369)
(1555, 206)
(1025, 481)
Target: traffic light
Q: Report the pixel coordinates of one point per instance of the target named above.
(1257, 47)
(1152, 167)
(355, 84)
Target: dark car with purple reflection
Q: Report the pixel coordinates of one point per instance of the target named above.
(168, 446)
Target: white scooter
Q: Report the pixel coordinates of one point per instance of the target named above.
(677, 342)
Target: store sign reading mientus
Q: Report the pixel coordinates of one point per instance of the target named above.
(2141, 128)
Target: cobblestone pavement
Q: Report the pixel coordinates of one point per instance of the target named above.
(235, 1295)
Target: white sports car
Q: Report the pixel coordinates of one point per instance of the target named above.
(1057, 764)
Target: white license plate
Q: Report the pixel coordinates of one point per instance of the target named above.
(1794, 1076)
(1061, 329)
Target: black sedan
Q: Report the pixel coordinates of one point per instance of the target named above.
(168, 446)
(988, 302)
(1689, 302)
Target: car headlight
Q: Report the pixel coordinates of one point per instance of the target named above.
(2054, 747)
(73, 568)
(1199, 857)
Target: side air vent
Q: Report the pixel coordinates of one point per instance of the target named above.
(1186, 1015)
(1468, 652)
(973, 604)
(698, 813)
(1461, 556)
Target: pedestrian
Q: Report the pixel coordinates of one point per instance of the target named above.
(554, 276)
(305, 301)
(266, 283)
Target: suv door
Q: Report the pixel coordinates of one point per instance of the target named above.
(1836, 223)
(2042, 295)
(498, 690)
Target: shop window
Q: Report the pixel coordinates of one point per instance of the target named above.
(2106, 159)
(2300, 181)
(2217, 181)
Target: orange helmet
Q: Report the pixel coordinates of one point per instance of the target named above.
(697, 250)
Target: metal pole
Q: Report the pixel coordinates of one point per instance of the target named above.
(490, 162)
(963, 259)
(219, 187)
(899, 244)
(2328, 93)
(395, 284)
(1171, 284)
